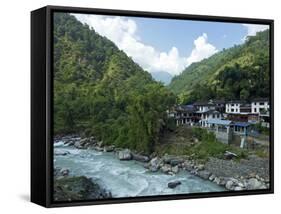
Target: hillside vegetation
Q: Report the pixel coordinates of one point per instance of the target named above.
(240, 72)
(100, 91)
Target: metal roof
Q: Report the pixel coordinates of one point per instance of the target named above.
(219, 122)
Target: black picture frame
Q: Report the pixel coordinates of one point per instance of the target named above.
(42, 104)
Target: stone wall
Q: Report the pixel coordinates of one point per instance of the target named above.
(223, 137)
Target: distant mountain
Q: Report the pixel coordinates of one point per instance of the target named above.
(240, 72)
(162, 76)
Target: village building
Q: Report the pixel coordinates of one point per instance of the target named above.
(260, 105)
(204, 106)
(241, 111)
(207, 115)
(233, 106)
(241, 128)
(228, 120)
(222, 129)
(185, 115)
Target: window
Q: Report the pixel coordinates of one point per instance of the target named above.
(255, 110)
(261, 104)
(232, 110)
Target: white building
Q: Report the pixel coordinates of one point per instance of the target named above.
(260, 106)
(203, 106)
(206, 116)
(233, 107)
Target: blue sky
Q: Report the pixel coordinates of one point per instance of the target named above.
(164, 34)
(168, 45)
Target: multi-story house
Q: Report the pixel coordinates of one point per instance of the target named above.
(260, 106)
(233, 106)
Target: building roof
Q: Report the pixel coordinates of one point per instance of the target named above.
(219, 122)
(241, 124)
(186, 108)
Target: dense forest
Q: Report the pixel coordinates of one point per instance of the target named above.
(240, 72)
(100, 91)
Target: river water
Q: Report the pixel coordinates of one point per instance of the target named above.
(127, 178)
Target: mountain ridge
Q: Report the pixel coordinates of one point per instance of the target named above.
(245, 66)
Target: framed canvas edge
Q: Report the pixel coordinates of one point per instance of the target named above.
(49, 93)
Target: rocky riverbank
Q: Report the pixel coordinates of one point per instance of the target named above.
(71, 188)
(232, 174)
(246, 174)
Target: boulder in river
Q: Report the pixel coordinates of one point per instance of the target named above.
(141, 158)
(166, 168)
(229, 185)
(62, 153)
(173, 184)
(78, 145)
(172, 160)
(200, 167)
(108, 148)
(100, 143)
(254, 183)
(217, 180)
(238, 188)
(64, 172)
(125, 154)
(69, 143)
(188, 165)
(155, 164)
(204, 174)
(212, 177)
(60, 172)
(175, 169)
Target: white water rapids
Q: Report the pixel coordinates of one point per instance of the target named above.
(126, 178)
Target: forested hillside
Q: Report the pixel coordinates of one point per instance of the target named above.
(100, 91)
(240, 72)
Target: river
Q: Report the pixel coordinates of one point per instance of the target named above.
(127, 178)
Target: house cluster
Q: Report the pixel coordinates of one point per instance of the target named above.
(223, 115)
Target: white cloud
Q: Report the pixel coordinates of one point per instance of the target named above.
(123, 32)
(202, 49)
(252, 29)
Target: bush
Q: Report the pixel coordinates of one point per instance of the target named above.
(261, 129)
